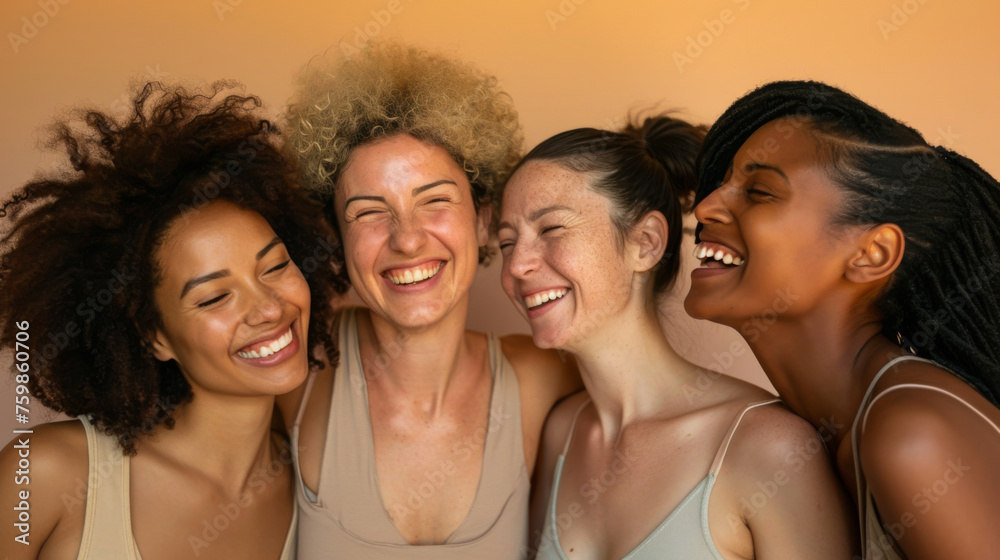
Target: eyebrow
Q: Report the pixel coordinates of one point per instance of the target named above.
(535, 215)
(194, 282)
(752, 166)
(414, 192)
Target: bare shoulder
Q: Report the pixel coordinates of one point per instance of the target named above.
(771, 438)
(47, 470)
(930, 462)
(910, 434)
(550, 372)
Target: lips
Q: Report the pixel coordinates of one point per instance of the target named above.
(413, 274)
(544, 296)
(263, 348)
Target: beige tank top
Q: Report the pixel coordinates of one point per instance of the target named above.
(107, 527)
(683, 535)
(876, 542)
(347, 519)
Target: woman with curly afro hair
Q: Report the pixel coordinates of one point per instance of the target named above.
(163, 287)
(422, 442)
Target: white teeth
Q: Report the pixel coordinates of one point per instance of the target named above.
(722, 255)
(535, 300)
(268, 349)
(414, 275)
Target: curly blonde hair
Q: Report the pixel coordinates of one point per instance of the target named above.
(389, 89)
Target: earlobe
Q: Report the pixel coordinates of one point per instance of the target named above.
(162, 350)
(879, 253)
(649, 239)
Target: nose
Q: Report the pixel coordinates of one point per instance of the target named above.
(715, 208)
(265, 306)
(522, 259)
(407, 235)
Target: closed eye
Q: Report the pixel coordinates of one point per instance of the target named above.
(212, 301)
(550, 228)
(279, 267)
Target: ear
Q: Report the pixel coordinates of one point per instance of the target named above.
(880, 250)
(483, 224)
(162, 349)
(648, 240)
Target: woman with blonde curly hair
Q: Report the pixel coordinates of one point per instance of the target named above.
(425, 433)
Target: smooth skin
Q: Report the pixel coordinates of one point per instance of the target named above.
(221, 450)
(556, 234)
(402, 205)
(929, 461)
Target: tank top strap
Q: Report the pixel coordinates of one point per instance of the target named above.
(572, 426)
(720, 455)
(867, 406)
(107, 526)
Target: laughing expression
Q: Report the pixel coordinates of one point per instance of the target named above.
(235, 308)
(411, 231)
(562, 265)
(769, 230)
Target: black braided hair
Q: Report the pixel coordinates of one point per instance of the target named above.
(942, 301)
(78, 250)
(643, 167)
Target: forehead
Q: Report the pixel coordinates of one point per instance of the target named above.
(397, 162)
(541, 183)
(787, 142)
(211, 233)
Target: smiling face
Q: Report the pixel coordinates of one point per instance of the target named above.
(235, 308)
(562, 266)
(771, 222)
(410, 230)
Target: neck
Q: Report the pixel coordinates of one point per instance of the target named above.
(630, 370)
(422, 363)
(226, 438)
(821, 365)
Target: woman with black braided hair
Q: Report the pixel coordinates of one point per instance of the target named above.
(165, 266)
(863, 265)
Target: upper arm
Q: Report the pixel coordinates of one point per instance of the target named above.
(931, 464)
(41, 486)
(543, 377)
(785, 490)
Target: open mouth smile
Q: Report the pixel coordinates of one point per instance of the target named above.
(540, 298)
(413, 275)
(267, 348)
(714, 255)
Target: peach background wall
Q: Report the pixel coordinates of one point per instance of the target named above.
(567, 63)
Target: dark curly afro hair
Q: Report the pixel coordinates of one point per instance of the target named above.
(78, 250)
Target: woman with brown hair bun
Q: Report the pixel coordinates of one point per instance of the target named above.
(166, 264)
(422, 442)
(637, 467)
